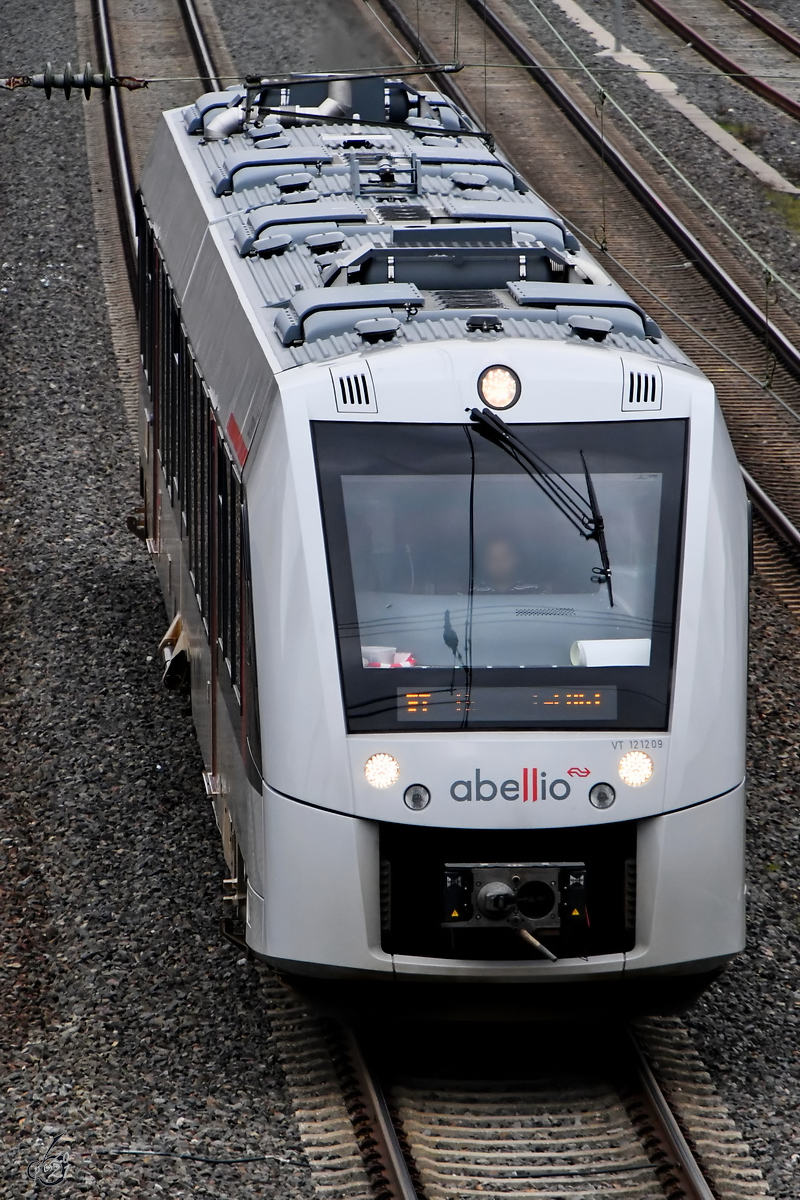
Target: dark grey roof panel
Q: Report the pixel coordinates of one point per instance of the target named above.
(452, 327)
(289, 321)
(254, 224)
(222, 177)
(529, 292)
(586, 295)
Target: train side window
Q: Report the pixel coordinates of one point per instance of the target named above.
(164, 370)
(190, 501)
(229, 564)
(251, 716)
(236, 582)
(205, 441)
(185, 455)
(176, 402)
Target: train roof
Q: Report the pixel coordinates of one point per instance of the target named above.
(418, 222)
(341, 217)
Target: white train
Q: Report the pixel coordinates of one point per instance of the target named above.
(454, 547)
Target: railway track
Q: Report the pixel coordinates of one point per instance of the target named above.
(558, 1121)
(742, 42)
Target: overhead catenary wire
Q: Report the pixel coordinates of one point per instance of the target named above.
(133, 83)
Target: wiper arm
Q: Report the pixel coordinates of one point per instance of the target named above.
(602, 573)
(586, 518)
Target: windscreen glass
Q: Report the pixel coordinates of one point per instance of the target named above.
(466, 599)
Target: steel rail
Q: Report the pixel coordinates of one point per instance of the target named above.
(668, 1131)
(119, 150)
(417, 43)
(671, 1153)
(716, 56)
(200, 48)
(756, 17)
(395, 1170)
(768, 509)
(116, 129)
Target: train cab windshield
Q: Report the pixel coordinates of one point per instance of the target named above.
(465, 599)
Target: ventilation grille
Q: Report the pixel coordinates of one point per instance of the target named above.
(402, 212)
(545, 612)
(354, 392)
(469, 298)
(642, 390)
(630, 893)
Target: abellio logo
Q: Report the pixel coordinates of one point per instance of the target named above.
(533, 786)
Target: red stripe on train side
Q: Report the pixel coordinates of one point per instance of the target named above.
(237, 441)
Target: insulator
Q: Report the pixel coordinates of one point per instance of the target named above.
(83, 81)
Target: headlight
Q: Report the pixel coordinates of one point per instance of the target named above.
(499, 387)
(382, 770)
(635, 768)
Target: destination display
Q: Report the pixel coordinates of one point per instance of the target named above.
(507, 704)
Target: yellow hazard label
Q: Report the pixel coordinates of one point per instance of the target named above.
(575, 913)
(454, 913)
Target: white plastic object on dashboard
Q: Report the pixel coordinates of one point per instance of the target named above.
(611, 652)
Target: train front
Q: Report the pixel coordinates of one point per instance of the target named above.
(501, 673)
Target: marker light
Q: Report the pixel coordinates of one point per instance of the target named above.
(416, 797)
(635, 768)
(499, 387)
(602, 795)
(382, 770)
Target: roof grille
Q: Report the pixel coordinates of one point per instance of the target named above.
(468, 298)
(641, 390)
(354, 391)
(402, 212)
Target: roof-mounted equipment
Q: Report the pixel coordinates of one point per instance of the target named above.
(290, 321)
(590, 329)
(377, 329)
(272, 245)
(484, 323)
(264, 164)
(448, 266)
(325, 243)
(194, 116)
(586, 295)
(323, 210)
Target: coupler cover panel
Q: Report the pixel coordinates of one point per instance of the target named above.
(532, 896)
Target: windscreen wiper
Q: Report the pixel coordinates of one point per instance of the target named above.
(584, 516)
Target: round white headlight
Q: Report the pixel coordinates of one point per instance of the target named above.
(499, 387)
(635, 768)
(382, 770)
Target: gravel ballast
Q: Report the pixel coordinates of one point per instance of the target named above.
(769, 221)
(128, 1022)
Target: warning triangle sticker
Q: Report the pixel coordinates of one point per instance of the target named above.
(454, 913)
(575, 913)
